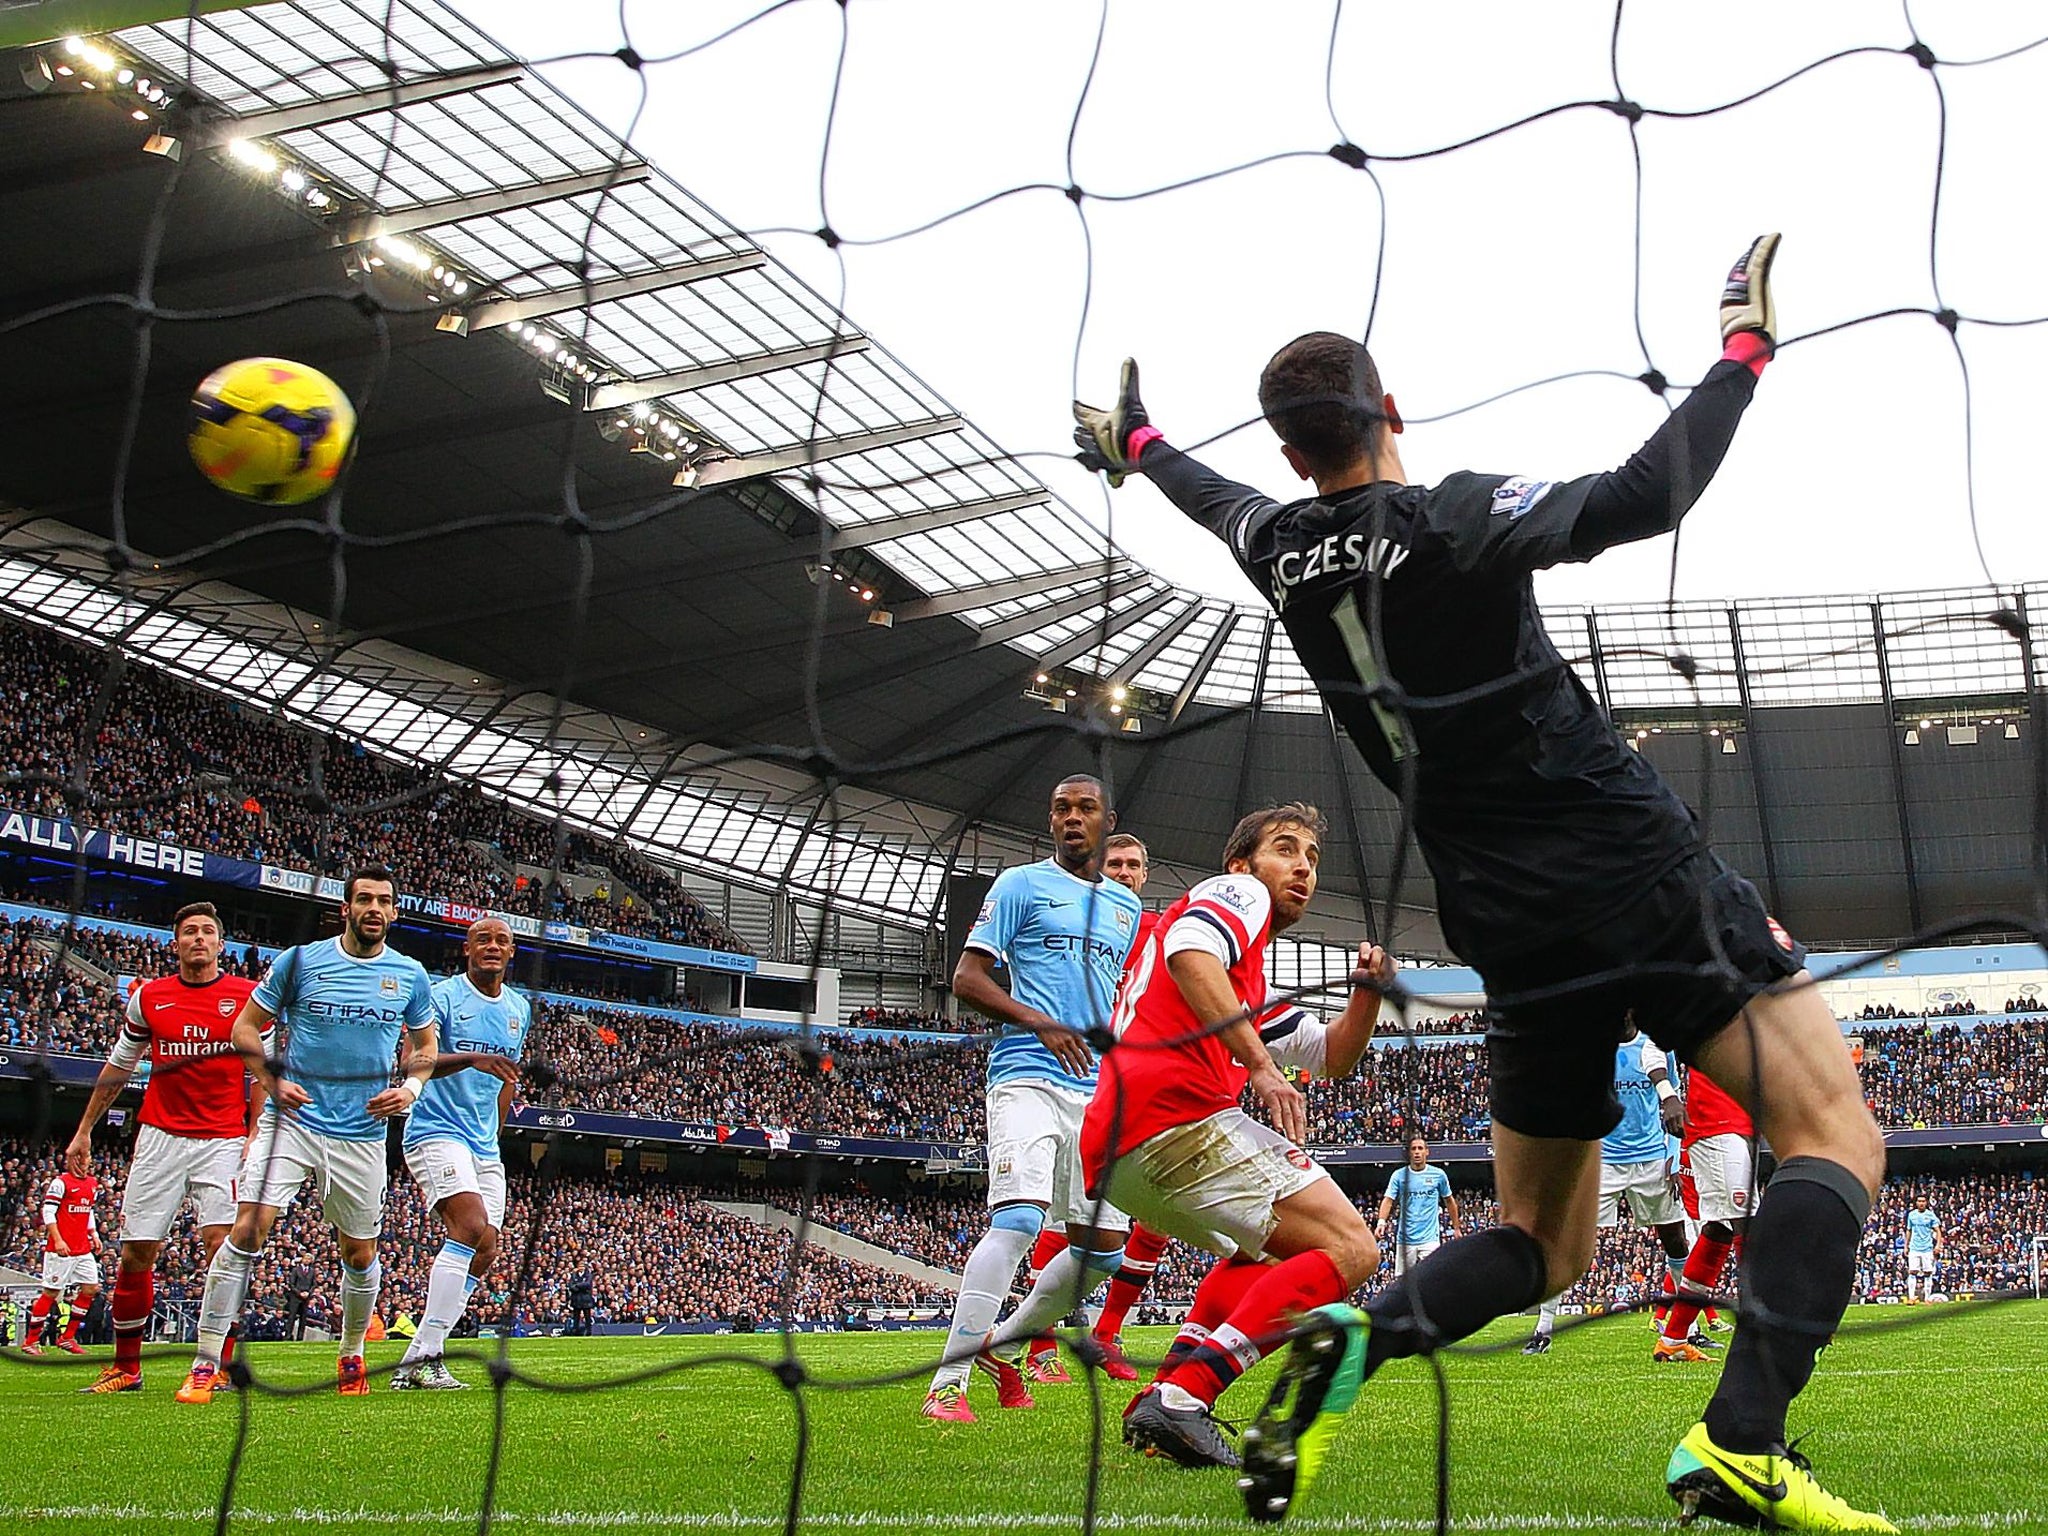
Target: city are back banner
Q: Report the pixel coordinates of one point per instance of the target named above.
(52, 835)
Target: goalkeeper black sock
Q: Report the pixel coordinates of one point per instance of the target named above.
(1456, 1291)
(1800, 1264)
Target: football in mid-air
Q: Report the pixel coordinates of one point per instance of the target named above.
(270, 430)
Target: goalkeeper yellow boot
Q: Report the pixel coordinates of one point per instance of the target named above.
(1319, 1381)
(1774, 1490)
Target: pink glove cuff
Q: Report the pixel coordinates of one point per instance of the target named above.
(1752, 349)
(1135, 443)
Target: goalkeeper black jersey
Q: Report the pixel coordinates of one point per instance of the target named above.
(1535, 819)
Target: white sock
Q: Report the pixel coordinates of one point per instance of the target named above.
(1052, 1295)
(449, 1283)
(983, 1285)
(1546, 1316)
(227, 1288)
(359, 1288)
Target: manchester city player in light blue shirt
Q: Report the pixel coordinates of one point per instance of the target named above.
(341, 1004)
(1636, 1160)
(451, 1137)
(1923, 1242)
(1422, 1195)
(1064, 932)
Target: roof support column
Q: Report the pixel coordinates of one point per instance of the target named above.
(1891, 732)
(1756, 772)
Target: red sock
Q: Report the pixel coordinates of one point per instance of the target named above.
(79, 1307)
(1258, 1323)
(1667, 1288)
(1215, 1298)
(134, 1296)
(1702, 1275)
(38, 1314)
(227, 1346)
(1043, 1252)
(1141, 1259)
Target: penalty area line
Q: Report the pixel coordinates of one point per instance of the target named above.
(986, 1520)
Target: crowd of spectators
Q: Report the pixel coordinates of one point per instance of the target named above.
(1924, 1073)
(1392, 1023)
(911, 1020)
(182, 766)
(648, 1248)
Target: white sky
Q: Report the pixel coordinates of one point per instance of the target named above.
(1505, 263)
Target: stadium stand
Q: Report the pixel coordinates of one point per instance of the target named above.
(159, 738)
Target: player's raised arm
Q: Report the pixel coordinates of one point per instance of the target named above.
(1349, 1035)
(1114, 441)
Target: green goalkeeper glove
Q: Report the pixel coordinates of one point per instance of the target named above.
(1105, 437)
(1746, 301)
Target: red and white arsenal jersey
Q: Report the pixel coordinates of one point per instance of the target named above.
(1165, 1071)
(196, 1081)
(68, 1201)
(1709, 1111)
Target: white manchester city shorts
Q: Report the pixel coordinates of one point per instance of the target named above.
(444, 1167)
(1213, 1182)
(1724, 1176)
(348, 1176)
(69, 1272)
(1034, 1153)
(1916, 1264)
(166, 1169)
(1648, 1187)
(1408, 1255)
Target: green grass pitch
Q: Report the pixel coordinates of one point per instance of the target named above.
(1942, 1424)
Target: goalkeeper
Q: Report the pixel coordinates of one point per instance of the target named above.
(1567, 873)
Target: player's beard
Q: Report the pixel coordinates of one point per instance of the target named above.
(362, 942)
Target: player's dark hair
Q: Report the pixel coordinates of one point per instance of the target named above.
(367, 872)
(198, 909)
(1126, 840)
(1321, 392)
(1246, 836)
(1101, 788)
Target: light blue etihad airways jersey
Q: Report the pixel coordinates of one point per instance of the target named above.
(463, 1106)
(1064, 940)
(342, 1017)
(1920, 1228)
(1640, 1137)
(1418, 1202)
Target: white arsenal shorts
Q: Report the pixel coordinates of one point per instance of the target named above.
(1213, 1182)
(1724, 1174)
(169, 1168)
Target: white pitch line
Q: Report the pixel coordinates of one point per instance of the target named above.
(734, 1520)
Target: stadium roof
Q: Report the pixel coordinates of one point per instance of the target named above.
(746, 464)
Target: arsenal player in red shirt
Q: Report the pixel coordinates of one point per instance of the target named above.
(1720, 1147)
(195, 1120)
(71, 1242)
(1165, 1140)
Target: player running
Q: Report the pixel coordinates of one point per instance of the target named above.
(1635, 1161)
(1427, 1207)
(1063, 931)
(195, 1119)
(1567, 872)
(1923, 1244)
(1718, 1149)
(1165, 1139)
(71, 1264)
(451, 1139)
(341, 1004)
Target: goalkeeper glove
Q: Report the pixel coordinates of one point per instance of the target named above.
(1749, 321)
(1111, 440)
